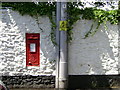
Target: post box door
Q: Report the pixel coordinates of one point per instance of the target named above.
(32, 49)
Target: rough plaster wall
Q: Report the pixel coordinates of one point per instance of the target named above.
(13, 27)
(96, 54)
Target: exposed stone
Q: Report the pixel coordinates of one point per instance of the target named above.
(29, 81)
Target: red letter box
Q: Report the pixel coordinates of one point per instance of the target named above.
(32, 49)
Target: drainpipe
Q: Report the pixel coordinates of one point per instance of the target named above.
(58, 15)
(63, 67)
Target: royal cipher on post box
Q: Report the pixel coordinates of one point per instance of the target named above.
(32, 49)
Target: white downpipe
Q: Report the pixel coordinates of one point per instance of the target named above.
(63, 65)
(61, 39)
(58, 17)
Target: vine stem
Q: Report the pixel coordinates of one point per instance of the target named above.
(37, 20)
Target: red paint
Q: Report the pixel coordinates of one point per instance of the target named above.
(32, 49)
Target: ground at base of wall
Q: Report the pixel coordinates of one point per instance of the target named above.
(99, 89)
(31, 89)
(65, 89)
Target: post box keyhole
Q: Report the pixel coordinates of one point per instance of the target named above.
(30, 63)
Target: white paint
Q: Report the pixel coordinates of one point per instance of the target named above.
(96, 54)
(13, 27)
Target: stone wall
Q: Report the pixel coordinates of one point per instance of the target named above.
(97, 54)
(28, 81)
(94, 82)
(92, 60)
(13, 28)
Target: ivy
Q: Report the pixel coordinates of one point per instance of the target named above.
(74, 13)
(31, 9)
(98, 15)
(35, 10)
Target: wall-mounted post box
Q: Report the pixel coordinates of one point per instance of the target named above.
(32, 49)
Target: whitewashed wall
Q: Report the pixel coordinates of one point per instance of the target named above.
(13, 27)
(96, 54)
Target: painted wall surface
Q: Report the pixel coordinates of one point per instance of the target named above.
(96, 54)
(13, 27)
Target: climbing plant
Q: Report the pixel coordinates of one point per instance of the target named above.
(74, 13)
(35, 10)
(98, 15)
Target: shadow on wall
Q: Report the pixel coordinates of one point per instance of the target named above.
(15, 29)
(95, 55)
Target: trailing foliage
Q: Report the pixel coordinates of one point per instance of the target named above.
(74, 12)
(31, 8)
(35, 10)
(98, 15)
